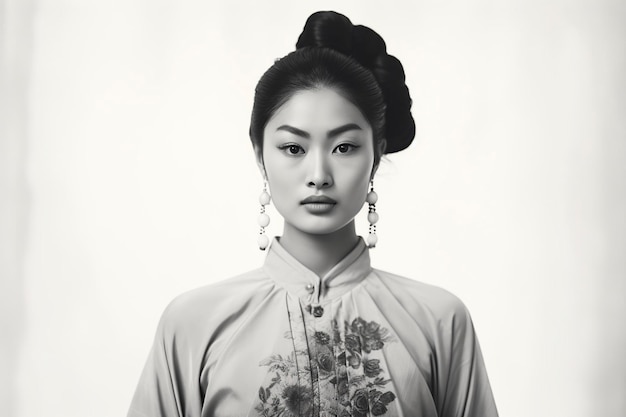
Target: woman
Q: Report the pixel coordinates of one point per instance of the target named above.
(316, 331)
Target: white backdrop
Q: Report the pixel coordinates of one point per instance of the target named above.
(127, 177)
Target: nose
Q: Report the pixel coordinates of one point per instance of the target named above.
(319, 175)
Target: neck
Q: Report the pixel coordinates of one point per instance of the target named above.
(319, 253)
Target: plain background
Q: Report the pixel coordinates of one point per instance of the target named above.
(127, 177)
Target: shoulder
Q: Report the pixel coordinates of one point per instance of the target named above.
(211, 304)
(424, 300)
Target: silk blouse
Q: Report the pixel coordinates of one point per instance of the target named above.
(281, 341)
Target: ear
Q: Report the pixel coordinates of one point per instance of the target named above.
(258, 153)
(382, 145)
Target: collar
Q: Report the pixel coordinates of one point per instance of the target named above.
(298, 280)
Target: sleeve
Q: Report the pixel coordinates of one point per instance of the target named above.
(464, 388)
(163, 389)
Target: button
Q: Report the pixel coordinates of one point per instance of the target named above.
(318, 311)
(310, 288)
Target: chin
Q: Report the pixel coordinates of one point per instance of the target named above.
(321, 226)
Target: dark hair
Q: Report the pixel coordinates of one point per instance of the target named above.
(332, 52)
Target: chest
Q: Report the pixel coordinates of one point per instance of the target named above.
(340, 358)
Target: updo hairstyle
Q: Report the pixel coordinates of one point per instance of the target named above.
(333, 53)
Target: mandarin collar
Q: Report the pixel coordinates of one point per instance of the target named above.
(300, 281)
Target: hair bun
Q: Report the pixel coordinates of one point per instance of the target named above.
(335, 31)
(329, 30)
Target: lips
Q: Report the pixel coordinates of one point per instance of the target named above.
(318, 199)
(318, 205)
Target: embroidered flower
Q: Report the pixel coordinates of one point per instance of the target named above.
(322, 338)
(360, 403)
(371, 329)
(372, 335)
(354, 361)
(357, 325)
(372, 344)
(326, 362)
(298, 400)
(348, 378)
(342, 386)
(371, 367)
(353, 343)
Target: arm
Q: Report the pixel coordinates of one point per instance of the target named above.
(464, 385)
(163, 389)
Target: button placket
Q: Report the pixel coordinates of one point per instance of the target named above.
(313, 307)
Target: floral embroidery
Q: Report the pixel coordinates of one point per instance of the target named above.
(336, 371)
(284, 396)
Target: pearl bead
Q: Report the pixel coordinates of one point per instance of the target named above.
(372, 197)
(264, 198)
(263, 242)
(263, 220)
(372, 217)
(372, 240)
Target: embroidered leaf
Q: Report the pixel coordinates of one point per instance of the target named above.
(262, 395)
(378, 409)
(386, 336)
(277, 363)
(374, 395)
(388, 397)
(380, 381)
(275, 380)
(272, 359)
(263, 410)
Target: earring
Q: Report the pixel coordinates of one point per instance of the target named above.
(372, 216)
(263, 219)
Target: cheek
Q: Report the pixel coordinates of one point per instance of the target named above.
(359, 190)
(280, 185)
(282, 179)
(361, 169)
(356, 184)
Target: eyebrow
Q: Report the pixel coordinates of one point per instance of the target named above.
(331, 133)
(342, 129)
(294, 130)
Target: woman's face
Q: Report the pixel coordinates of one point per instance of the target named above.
(318, 154)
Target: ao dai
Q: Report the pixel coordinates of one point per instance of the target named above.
(281, 341)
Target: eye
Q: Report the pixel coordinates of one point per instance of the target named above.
(345, 148)
(291, 149)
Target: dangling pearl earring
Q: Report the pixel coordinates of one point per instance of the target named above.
(263, 219)
(372, 216)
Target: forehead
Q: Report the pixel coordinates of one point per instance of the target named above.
(318, 109)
